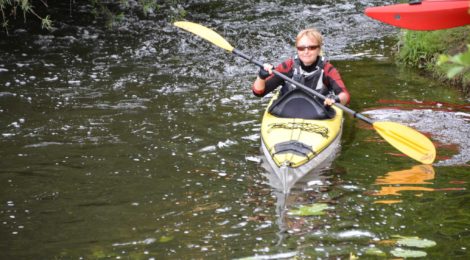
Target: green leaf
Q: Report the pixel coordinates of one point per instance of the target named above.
(416, 242)
(164, 239)
(452, 72)
(442, 59)
(457, 59)
(312, 210)
(25, 6)
(372, 251)
(400, 252)
(466, 56)
(46, 23)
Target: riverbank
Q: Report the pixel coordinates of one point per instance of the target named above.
(422, 49)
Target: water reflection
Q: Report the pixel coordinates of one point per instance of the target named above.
(130, 143)
(419, 174)
(397, 181)
(310, 189)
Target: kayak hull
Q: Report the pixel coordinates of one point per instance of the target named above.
(295, 147)
(427, 15)
(284, 178)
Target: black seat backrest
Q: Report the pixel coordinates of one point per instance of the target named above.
(299, 104)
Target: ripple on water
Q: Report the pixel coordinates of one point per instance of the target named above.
(444, 127)
(107, 75)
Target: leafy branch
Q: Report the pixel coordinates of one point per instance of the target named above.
(113, 12)
(458, 64)
(9, 8)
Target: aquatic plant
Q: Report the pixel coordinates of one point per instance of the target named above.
(315, 209)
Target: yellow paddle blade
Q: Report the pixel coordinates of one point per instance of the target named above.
(205, 33)
(408, 141)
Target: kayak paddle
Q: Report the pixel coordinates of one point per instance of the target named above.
(403, 138)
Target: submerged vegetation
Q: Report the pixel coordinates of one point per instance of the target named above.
(444, 53)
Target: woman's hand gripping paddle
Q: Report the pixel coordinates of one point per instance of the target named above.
(405, 139)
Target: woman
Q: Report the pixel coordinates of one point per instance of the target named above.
(307, 67)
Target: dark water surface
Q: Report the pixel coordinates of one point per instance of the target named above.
(143, 143)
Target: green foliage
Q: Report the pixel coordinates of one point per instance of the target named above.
(113, 12)
(165, 239)
(415, 242)
(419, 48)
(457, 64)
(442, 52)
(315, 209)
(406, 253)
(46, 23)
(9, 8)
(401, 246)
(413, 49)
(375, 252)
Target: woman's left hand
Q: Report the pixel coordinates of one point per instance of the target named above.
(328, 102)
(331, 99)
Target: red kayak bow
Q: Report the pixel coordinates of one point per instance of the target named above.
(423, 15)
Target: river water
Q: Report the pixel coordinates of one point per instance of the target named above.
(142, 142)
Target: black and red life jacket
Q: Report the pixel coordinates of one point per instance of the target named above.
(295, 102)
(312, 79)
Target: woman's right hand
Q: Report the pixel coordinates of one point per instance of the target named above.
(266, 71)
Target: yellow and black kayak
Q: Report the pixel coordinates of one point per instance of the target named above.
(295, 146)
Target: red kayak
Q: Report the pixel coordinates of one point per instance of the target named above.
(423, 15)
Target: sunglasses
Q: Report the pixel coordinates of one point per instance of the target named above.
(310, 48)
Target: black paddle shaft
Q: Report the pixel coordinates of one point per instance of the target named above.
(305, 88)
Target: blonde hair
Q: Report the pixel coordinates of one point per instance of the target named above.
(312, 34)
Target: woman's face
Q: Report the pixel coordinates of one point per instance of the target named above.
(308, 50)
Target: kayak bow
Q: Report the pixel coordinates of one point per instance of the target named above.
(423, 15)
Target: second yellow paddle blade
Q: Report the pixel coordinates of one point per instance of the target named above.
(205, 33)
(408, 141)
